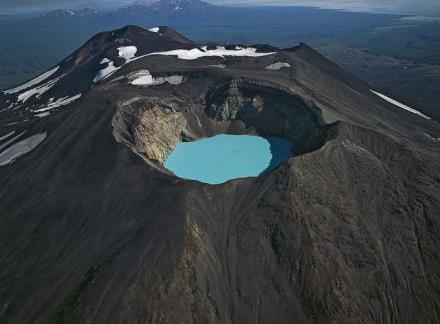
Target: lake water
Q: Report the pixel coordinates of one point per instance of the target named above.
(221, 158)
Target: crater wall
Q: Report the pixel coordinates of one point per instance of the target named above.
(153, 127)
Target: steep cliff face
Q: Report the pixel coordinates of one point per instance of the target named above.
(94, 229)
(150, 127)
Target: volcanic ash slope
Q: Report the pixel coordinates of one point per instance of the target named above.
(94, 229)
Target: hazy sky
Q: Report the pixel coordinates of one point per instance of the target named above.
(426, 7)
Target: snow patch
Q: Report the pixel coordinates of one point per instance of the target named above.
(58, 103)
(106, 72)
(154, 29)
(104, 60)
(127, 52)
(220, 51)
(172, 79)
(20, 148)
(399, 104)
(277, 66)
(145, 78)
(43, 114)
(32, 82)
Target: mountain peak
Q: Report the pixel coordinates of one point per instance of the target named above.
(133, 32)
(182, 5)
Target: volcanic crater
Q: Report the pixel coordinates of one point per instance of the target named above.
(154, 127)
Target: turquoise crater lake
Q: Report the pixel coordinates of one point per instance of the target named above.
(221, 158)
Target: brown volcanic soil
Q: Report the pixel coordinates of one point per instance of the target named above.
(94, 230)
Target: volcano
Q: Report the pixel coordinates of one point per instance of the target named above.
(94, 228)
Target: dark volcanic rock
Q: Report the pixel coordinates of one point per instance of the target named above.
(94, 230)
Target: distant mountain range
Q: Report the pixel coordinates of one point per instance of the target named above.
(141, 11)
(71, 14)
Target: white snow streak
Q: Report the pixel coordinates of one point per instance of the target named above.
(277, 66)
(220, 66)
(435, 139)
(106, 72)
(7, 135)
(43, 114)
(154, 29)
(220, 51)
(59, 102)
(38, 91)
(399, 104)
(33, 82)
(20, 148)
(5, 144)
(126, 52)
